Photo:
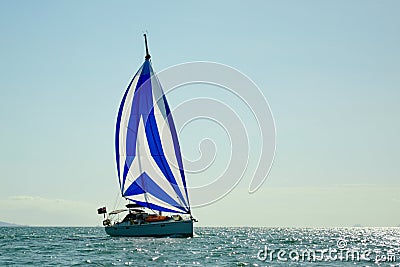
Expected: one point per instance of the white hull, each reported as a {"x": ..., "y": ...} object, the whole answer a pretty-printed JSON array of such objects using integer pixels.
[{"x": 172, "y": 228}]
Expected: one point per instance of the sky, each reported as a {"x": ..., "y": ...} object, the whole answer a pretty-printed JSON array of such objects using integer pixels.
[{"x": 329, "y": 70}]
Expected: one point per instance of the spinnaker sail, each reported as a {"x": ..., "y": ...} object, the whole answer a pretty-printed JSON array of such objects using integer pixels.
[{"x": 148, "y": 156}]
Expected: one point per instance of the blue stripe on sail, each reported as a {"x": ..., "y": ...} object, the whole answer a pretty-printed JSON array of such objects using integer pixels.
[
  {"x": 151, "y": 188},
  {"x": 153, "y": 138},
  {"x": 134, "y": 189},
  {"x": 143, "y": 90},
  {"x": 138, "y": 107},
  {"x": 155, "y": 207},
  {"x": 117, "y": 129},
  {"x": 130, "y": 145}
]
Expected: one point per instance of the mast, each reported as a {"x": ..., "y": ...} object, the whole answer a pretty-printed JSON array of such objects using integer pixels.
[{"x": 147, "y": 57}]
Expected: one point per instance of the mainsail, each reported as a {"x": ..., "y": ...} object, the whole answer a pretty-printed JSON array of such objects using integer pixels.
[{"x": 149, "y": 161}]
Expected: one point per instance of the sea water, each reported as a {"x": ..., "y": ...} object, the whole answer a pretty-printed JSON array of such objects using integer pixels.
[{"x": 86, "y": 246}]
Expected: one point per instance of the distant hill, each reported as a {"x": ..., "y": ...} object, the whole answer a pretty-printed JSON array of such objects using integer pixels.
[{"x": 4, "y": 224}]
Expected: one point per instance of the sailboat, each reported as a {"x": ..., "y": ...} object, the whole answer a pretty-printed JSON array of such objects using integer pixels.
[{"x": 149, "y": 164}]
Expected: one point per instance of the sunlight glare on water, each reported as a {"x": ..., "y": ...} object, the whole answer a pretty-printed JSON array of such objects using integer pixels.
[{"x": 85, "y": 246}]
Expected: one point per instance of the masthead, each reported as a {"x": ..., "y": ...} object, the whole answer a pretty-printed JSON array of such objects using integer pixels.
[{"x": 147, "y": 57}]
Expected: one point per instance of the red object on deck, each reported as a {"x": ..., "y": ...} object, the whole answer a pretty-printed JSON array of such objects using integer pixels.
[{"x": 156, "y": 218}]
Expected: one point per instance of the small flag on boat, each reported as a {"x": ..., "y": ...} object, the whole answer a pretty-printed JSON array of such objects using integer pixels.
[{"x": 101, "y": 210}]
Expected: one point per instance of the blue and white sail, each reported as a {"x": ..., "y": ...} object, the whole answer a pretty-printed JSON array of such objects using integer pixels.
[{"x": 149, "y": 161}]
